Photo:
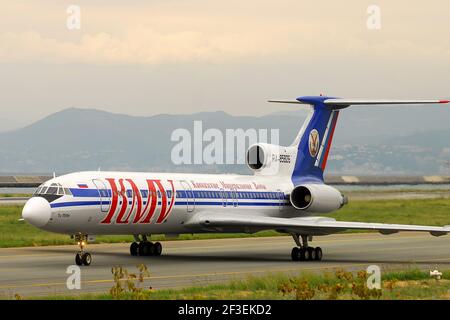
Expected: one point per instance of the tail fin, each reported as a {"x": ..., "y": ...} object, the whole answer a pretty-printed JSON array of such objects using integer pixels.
[{"x": 314, "y": 140}]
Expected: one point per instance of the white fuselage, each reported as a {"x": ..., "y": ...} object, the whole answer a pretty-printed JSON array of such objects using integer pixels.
[{"x": 158, "y": 203}]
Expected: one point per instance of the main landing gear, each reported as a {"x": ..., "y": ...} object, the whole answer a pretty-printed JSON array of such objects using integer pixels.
[
  {"x": 144, "y": 247},
  {"x": 303, "y": 252},
  {"x": 82, "y": 257}
]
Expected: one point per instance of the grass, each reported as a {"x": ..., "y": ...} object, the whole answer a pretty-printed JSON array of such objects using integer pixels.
[
  {"x": 408, "y": 284},
  {"x": 418, "y": 211},
  {"x": 409, "y": 211}
]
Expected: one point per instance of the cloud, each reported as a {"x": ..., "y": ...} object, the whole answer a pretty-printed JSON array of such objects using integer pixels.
[
  {"x": 199, "y": 31},
  {"x": 139, "y": 46}
]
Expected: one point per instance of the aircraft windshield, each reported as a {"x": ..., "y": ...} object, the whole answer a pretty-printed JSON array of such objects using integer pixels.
[{"x": 55, "y": 189}]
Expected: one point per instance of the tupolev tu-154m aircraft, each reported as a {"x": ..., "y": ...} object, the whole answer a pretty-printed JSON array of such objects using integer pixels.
[{"x": 286, "y": 193}]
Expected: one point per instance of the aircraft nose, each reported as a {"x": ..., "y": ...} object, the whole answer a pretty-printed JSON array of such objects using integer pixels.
[{"x": 37, "y": 212}]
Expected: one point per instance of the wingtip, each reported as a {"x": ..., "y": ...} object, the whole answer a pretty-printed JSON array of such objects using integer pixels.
[
  {"x": 284, "y": 101},
  {"x": 444, "y": 101}
]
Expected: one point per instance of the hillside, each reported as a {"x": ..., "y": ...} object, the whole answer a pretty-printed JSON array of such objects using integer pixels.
[{"x": 367, "y": 141}]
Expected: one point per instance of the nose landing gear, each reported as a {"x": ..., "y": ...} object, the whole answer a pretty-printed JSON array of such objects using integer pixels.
[
  {"x": 82, "y": 257},
  {"x": 144, "y": 247}
]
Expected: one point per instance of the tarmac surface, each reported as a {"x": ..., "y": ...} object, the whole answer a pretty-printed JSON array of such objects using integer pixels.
[
  {"x": 38, "y": 271},
  {"x": 12, "y": 201}
]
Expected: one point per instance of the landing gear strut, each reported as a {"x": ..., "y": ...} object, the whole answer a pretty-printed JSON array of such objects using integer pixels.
[
  {"x": 143, "y": 247},
  {"x": 303, "y": 252},
  {"x": 82, "y": 257}
]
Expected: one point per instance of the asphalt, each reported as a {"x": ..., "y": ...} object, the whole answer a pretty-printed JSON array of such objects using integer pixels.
[
  {"x": 8, "y": 201},
  {"x": 37, "y": 271}
]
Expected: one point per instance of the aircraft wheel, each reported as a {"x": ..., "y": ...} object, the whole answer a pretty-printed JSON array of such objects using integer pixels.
[
  {"x": 78, "y": 259},
  {"x": 301, "y": 254},
  {"x": 295, "y": 254},
  {"x": 134, "y": 249},
  {"x": 157, "y": 248},
  {"x": 307, "y": 254},
  {"x": 151, "y": 249},
  {"x": 319, "y": 253},
  {"x": 144, "y": 248},
  {"x": 312, "y": 253},
  {"x": 87, "y": 259}
]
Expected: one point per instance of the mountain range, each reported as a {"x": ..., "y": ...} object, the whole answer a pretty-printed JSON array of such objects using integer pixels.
[{"x": 385, "y": 140}]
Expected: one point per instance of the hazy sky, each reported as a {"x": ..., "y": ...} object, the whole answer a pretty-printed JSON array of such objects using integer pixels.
[{"x": 184, "y": 56}]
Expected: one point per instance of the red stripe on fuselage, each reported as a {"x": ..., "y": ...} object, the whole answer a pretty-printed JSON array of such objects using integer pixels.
[
  {"x": 154, "y": 197},
  {"x": 141, "y": 215},
  {"x": 164, "y": 210},
  {"x": 163, "y": 201},
  {"x": 114, "y": 200},
  {"x": 172, "y": 198},
  {"x": 123, "y": 209},
  {"x": 136, "y": 199}
]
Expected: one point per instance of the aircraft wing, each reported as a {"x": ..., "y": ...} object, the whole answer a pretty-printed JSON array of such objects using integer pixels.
[{"x": 305, "y": 225}]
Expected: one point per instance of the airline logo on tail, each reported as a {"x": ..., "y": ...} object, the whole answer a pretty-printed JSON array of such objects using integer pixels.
[{"x": 314, "y": 143}]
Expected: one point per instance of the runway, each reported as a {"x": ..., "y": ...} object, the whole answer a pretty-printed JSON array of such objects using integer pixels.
[
  {"x": 36, "y": 271},
  {"x": 13, "y": 201}
]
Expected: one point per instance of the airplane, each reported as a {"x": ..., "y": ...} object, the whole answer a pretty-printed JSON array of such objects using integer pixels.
[{"x": 286, "y": 193}]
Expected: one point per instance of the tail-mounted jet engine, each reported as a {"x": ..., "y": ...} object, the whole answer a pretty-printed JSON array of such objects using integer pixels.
[
  {"x": 270, "y": 158},
  {"x": 318, "y": 198}
]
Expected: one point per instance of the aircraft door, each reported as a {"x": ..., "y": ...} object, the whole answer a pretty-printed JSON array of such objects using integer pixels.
[
  {"x": 224, "y": 195},
  {"x": 104, "y": 195},
  {"x": 280, "y": 199},
  {"x": 234, "y": 196},
  {"x": 190, "y": 198}
]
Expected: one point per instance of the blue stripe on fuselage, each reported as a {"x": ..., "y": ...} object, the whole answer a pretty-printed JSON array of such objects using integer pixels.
[
  {"x": 177, "y": 203},
  {"x": 183, "y": 194}
]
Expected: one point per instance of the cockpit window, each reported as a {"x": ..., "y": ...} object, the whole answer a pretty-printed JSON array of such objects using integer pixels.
[{"x": 52, "y": 192}]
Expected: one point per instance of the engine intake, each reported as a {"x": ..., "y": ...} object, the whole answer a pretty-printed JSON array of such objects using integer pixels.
[
  {"x": 318, "y": 198},
  {"x": 256, "y": 157}
]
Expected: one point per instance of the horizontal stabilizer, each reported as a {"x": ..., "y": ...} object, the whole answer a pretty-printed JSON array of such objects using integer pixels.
[
  {"x": 369, "y": 102},
  {"x": 343, "y": 103}
]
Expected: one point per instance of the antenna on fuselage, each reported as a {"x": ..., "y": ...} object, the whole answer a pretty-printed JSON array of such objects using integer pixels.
[{"x": 54, "y": 174}]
